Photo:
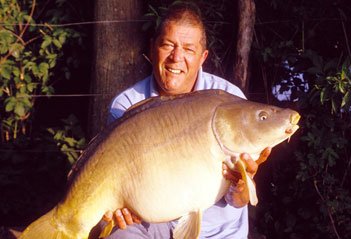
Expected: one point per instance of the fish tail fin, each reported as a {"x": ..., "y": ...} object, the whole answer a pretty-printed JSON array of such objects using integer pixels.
[{"x": 44, "y": 228}]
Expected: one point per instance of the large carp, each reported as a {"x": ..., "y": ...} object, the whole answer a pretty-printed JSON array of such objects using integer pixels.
[{"x": 163, "y": 161}]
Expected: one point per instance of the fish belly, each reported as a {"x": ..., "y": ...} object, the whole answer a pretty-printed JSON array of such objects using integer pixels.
[{"x": 173, "y": 166}]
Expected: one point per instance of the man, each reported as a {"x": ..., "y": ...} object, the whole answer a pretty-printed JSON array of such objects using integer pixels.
[{"x": 178, "y": 51}]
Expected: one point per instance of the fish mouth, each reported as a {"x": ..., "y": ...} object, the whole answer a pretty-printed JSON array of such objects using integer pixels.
[{"x": 294, "y": 119}]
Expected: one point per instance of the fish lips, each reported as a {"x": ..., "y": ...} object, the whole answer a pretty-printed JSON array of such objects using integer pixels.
[{"x": 294, "y": 119}]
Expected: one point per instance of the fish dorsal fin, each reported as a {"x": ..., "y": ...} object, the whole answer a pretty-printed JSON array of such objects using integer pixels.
[
  {"x": 188, "y": 226},
  {"x": 155, "y": 101}
]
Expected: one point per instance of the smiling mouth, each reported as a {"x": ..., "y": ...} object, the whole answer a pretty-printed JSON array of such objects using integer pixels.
[{"x": 174, "y": 71}]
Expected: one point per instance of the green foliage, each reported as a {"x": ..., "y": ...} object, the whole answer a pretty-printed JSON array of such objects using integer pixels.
[
  {"x": 33, "y": 56},
  {"x": 30, "y": 51},
  {"x": 324, "y": 155},
  {"x": 70, "y": 138},
  {"x": 299, "y": 49}
]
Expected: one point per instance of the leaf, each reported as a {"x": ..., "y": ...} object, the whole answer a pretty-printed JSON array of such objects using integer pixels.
[
  {"x": 27, "y": 78},
  {"x": 5, "y": 71},
  {"x": 153, "y": 10},
  {"x": 44, "y": 71},
  {"x": 10, "y": 104},
  {"x": 43, "y": 67},
  {"x": 62, "y": 38},
  {"x": 16, "y": 49},
  {"x": 342, "y": 86},
  {"x": 346, "y": 100},
  {"x": 25, "y": 100},
  {"x": 70, "y": 141},
  {"x": 31, "y": 87},
  {"x": 334, "y": 106},
  {"x": 57, "y": 43},
  {"x": 6, "y": 39},
  {"x": 47, "y": 41},
  {"x": 20, "y": 109},
  {"x": 47, "y": 90},
  {"x": 51, "y": 131}
]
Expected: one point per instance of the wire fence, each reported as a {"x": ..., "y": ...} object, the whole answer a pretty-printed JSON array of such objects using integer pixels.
[
  {"x": 82, "y": 23},
  {"x": 111, "y": 22}
]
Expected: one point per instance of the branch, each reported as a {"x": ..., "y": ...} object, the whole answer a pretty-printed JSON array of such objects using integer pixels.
[
  {"x": 346, "y": 172},
  {"x": 20, "y": 36},
  {"x": 329, "y": 210},
  {"x": 31, "y": 16}
]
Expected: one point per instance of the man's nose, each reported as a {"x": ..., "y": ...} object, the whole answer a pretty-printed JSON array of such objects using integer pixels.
[{"x": 177, "y": 54}]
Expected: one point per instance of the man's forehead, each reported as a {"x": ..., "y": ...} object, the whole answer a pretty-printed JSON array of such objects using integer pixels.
[
  {"x": 182, "y": 24},
  {"x": 190, "y": 33}
]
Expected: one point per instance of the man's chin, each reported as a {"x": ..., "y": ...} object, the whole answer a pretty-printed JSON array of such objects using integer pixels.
[{"x": 173, "y": 91}]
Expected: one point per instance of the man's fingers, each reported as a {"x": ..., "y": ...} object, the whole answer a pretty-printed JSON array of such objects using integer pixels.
[
  {"x": 251, "y": 165},
  {"x": 127, "y": 216},
  {"x": 239, "y": 187},
  {"x": 120, "y": 221},
  {"x": 229, "y": 174},
  {"x": 264, "y": 155},
  {"x": 136, "y": 219},
  {"x": 108, "y": 216}
]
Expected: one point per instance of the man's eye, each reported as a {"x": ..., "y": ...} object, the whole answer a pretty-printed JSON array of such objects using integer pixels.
[
  {"x": 167, "y": 46},
  {"x": 190, "y": 50}
]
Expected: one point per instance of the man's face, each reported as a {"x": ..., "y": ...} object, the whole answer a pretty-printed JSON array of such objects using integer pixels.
[{"x": 177, "y": 55}]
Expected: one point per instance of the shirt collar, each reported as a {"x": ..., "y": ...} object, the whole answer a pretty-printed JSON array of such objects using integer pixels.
[
  {"x": 153, "y": 88},
  {"x": 199, "y": 84}
]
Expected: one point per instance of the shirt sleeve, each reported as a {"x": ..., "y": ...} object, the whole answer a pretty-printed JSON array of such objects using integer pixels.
[
  {"x": 209, "y": 81},
  {"x": 123, "y": 101},
  {"x": 115, "y": 112}
]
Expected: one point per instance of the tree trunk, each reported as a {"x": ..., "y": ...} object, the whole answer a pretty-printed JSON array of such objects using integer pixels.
[
  {"x": 118, "y": 55},
  {"x": 246, "y": 13}
]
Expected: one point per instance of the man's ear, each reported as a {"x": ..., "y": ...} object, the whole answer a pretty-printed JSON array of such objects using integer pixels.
[{"x": 204, "y": 56}]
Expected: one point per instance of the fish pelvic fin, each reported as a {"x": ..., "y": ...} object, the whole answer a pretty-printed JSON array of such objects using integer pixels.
[
  {"x": 188, "y": 226},
  {"x": 107, "y": 229},
  {"x": 46, "y": 227},
  {"x": 249, "y": 182}
]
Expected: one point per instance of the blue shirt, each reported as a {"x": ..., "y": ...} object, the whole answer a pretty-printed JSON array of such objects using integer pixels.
[{"x": 220, "y": 221}]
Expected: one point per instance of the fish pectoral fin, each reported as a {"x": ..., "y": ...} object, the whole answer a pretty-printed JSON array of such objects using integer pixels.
[
  {"x": 249, "y": 182},
  {"x": 106, "y": 231},
  {"x": 252, "y": 191},
  {"x": 188, "y": 226}
]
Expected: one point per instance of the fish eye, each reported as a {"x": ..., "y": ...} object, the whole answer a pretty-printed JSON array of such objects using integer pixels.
[{"x": 263, "y": 115}]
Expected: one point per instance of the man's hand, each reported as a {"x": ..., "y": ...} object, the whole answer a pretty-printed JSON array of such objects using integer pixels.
[
  {"x": 122, "y": 218},
  {"x": 238, "y": 194}
]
